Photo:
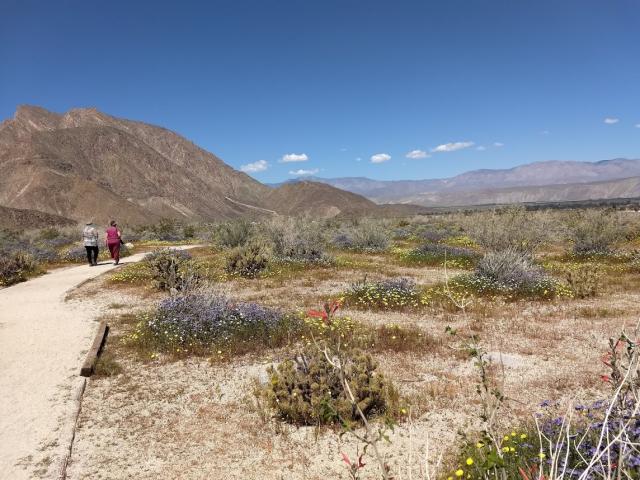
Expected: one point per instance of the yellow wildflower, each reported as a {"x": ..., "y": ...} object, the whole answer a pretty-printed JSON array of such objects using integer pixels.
[
  {"x": 459, "y": 472},
  {"x": 469, "y": 461}
]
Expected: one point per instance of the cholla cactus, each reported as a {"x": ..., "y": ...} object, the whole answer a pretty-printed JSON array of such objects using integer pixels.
[
  {"x": 584, "y": 280},
  {"x": 308, "y": 390},
  {"x": 169, "y": 268},
  {"x": 248, "y": 261}
]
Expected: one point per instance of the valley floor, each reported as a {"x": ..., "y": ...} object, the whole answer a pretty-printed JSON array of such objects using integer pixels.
[{"x": 197, "y": 418}]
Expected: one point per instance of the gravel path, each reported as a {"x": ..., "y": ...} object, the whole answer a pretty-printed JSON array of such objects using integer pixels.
[{"x": 43, "y": 340}]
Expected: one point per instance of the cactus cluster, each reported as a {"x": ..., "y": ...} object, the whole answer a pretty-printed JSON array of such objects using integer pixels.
[
  {"x": 308, "y": 389},
  {"x": 171, "y": 269},
  {"x": 249, "y": 260}
]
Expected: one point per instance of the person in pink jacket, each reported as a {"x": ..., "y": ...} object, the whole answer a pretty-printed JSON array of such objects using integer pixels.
[{"x": 113, "y": 241}]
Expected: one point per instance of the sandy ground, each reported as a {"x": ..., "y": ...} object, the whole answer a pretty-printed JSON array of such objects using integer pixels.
[
  {"x": 193, "y": 419},
  {"x": 43, "y": 339}
]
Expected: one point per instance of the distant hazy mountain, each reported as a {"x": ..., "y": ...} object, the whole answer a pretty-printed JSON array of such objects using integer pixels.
[
  {"x": 623, "y": 188},
  {"x": 477, "y": 186}
]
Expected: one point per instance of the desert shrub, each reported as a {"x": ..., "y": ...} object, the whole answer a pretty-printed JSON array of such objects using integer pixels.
[
  {"x": 392, "y": 294},
  {"x": 48, "y": 233},
  {"x": 308, "y": 390},
  {"x": 511, "y": 228},
  {"x": 295, "y": 240},
  {"x": 510, "y": 268},
  {"x": 437, "y": 254},
  {"x": 171, "y": 269},
  {"x": 510, "y": 273},
  {"x": 15, "y": 268},
  {"x": 205, "y": 324},
  {"x": 189, "y": 231},
  {"x": 595, "y": 232},
  {"x": 234, "y": 234},
  {"x": 583, "y": 280},
  {"x": 366, "y": 236},
  {"x": 249, "y": 260}
]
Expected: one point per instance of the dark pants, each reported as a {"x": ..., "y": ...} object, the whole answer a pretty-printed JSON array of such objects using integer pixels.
[
  {"x": 114, "y": 249},
  {"x": 92, "y": 255}
]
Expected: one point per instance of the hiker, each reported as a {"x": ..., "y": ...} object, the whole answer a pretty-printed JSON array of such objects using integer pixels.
[
  {"x": 90, "y": 239},
  {"x": 114, "y": 239}
]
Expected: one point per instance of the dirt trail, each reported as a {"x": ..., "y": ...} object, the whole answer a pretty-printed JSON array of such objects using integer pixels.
[{"x": 43, "y": 340}]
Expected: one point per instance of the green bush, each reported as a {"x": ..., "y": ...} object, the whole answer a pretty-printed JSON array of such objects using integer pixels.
[
  {"x": 188, "y": 231},
  {"x": 250, "y": 260},
  {"x": 308, "y": 390}
]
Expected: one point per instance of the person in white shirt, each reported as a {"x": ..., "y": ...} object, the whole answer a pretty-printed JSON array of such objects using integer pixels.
[{"x": 90, "y": 239}]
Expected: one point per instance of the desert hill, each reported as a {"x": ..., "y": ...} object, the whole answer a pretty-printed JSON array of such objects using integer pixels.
[
  {"x": 16, "y": 219},
  {"x": 318, "y": 199},
  {"x": 86, "y": 163}
]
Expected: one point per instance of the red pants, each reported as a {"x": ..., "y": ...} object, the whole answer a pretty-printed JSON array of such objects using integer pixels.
[{"x": 114, "y": 249}]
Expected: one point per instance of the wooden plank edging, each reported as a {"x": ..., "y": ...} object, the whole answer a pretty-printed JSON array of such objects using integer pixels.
[
  {"x": 92, "y": 356},
  {"x": 69, "y": 430}
]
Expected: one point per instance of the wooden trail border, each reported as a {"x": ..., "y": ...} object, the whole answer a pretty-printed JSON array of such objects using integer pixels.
[{"x": 92, "y": 356}]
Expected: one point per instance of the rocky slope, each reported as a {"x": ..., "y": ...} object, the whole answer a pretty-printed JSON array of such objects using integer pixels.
[
  {"x": 17, "y": 219},
  {"x": 86, "y": 163}
]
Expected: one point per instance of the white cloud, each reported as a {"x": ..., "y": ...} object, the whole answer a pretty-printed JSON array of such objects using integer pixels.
[
  {"x": 452, "y": 147},
  {"x": 481, "y": 148},
  {"x": 358, "y": 159},
  {"x": 611, "y": 120},
  {"x": 380, "y": 158},
  {"x": 294, "y": 157},
  {"x": 544, "y": 132},
  {"x": 498, "y": 144},
  {"x": 637, "y": 125},
  {"x": 343, "y": 149},
  {"x": 259, "y": 166},
  {"x": 301, "y": 172},
  {"x": 416, "y": 154}
]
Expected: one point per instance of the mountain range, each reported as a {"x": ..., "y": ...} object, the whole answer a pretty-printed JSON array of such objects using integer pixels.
[
  {"x": 85, "y": 164},
  {"x": 555, "y": 181}
]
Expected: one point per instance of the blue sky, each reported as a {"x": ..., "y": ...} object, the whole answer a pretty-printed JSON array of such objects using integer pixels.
[{"x": 345, "y": 84}]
